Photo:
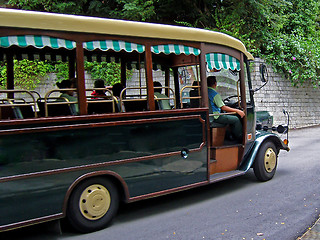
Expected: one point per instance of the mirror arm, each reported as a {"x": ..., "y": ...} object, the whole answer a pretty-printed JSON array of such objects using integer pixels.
[{"x": 257, "y": 89}]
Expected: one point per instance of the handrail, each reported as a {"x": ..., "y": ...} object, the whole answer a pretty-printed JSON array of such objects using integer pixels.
[
  {"x": 56, "y": 103},
  {"x": 219, "y": 114},
  {"x": 131, "y": 99},
  {"x": 14, "y": 99},
  {"x": 188, "y": 86},
  {"x": 32, "y": 103},
  {"x": 38, "y": 94},
  {"x": 46, "y": 112}
]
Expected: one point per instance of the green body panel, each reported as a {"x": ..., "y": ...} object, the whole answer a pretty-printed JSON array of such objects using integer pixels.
[
  {"x": 150, "y": 151},
  {"x": 264, "y": 118},
  {"x": 261, "y": 137}
]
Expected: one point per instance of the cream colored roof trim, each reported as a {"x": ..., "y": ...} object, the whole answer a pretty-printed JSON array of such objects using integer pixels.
[{"x": 72, "y": 23}]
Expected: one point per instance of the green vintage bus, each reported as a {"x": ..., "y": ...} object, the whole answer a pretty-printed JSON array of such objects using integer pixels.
[{"x": 56, "y": 163}]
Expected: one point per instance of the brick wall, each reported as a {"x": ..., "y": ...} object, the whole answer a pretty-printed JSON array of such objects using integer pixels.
[{"x": 302, "y": 104}]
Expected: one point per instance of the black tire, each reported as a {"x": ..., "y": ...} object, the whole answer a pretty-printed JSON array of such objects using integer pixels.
[
  {"x": 92, "y": 205},
  {"x": 266, "y": 161}
]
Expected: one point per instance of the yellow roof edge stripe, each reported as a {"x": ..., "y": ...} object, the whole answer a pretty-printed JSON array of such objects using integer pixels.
[{"x": 73, "y": 23}]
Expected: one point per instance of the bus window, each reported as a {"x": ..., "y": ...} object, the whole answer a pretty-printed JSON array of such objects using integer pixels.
[
  {"x": 133, "y": 96},
  {"x": 125, "y": 56},
  {"x": 189, "y": 79},
  {"x": 228, "y": 86},
  {"x": 227, "y": 71},
  {"x": 179, "y": 69}
]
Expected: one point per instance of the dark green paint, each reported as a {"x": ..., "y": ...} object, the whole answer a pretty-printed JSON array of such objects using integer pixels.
[{"x": 65, "y": 149}]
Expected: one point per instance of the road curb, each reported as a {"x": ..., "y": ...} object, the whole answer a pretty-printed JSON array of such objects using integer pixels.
[{"x": 312, "y": 232}]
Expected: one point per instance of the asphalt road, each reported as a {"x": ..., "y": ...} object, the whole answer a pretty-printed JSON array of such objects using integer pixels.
[{"x": 240, "y": 208}]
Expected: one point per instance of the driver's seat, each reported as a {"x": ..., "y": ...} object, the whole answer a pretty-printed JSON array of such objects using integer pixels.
[{"x": 217, "y": 133}]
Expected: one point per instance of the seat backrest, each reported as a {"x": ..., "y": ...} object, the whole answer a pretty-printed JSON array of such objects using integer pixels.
[
  {"x": 27, "y": 111},
  {"x": 55, "y": 109},
  {"x": 10, "y": 112},
  {"x": 194, "y": 102},
  {"x": 100, "y": 107},
  {"x": 7, "y": 112},
  {"x": 136, "y": 105}
]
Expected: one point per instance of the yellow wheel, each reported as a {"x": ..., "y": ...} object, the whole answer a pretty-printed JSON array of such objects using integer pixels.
[
  {"x": 93, "y": 204},
  {"x": 265, "y": 164},
  {"x": 270, "y": 160}
]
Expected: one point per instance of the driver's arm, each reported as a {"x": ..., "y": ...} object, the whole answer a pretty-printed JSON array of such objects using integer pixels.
[{"x": 230, "y": 109}]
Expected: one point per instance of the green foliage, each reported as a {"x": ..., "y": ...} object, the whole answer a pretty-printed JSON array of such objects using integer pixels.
[
  {"x": 61, "y": 69},
  {"x": 293, "y": 49},
  {"x": 138, "y": 10},
  {"x": 27, "y": 74},
  {"x": 109, "y": 72},
  {"x": 72, "y": 7},
  {"x": 297, "y": 57},
  {"x": 284, "y": 32}
]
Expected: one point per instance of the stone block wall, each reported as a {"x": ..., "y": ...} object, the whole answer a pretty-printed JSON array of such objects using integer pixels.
[{"x": 302, "y": 104}]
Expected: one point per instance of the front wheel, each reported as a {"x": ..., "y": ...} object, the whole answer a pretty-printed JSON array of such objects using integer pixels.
[
  {"x": 265, "y": 164},
  {"x": 93, "y": 204}
]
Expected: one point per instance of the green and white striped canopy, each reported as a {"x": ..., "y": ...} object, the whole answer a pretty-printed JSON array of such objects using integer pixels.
[
  {"x": 36, "y": 41},
  {"x": 222, "y": 61},
  {"x": 115, "y": 45},
  {"x": 176, "y": 49}
]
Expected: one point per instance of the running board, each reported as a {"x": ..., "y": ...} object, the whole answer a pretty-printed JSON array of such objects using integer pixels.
[{"x": 217, "y": 177}]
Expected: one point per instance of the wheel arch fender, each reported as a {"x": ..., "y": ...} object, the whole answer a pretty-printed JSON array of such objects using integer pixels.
[
  {"x": 114, "y": 177},
  {"x": 250, "y": 156}
]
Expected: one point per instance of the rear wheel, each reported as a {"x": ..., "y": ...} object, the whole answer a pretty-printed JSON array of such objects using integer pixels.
[
  {"x": 93, "y": 204},
  {"x": 266, "y": 161}
]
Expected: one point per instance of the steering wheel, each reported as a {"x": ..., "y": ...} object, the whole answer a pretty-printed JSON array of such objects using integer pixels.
[{"x": 233, "y": 104}]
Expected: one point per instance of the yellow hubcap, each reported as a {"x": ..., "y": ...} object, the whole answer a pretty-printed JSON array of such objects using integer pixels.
[
  {"x": 270, "y": 160},
  {"x": 94, "y": 202}
]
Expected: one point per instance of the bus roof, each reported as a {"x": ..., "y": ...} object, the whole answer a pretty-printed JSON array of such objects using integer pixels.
[{"x": 73, "y": 23}]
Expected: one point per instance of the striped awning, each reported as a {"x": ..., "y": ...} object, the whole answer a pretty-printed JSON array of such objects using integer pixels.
[
  {"x": 115, "y": 45},
  {"x": 36, "y": 41},
  {"x": 222, "y": 61},
  {"x": 176, "y": 49}
]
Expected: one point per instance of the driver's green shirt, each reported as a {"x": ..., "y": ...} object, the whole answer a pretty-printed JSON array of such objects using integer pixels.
[{"x": 215, "y": 101}]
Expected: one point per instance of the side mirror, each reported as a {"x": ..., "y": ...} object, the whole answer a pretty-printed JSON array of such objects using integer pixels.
[
  {"x": 263, "y": 73},
  {"x": 263, "y": 76}
]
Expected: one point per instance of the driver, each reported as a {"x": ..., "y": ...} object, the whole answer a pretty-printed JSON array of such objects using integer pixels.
[{"x": 216, "y": 105}]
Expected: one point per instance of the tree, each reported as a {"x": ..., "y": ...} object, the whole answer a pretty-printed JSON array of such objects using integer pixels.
[{"x": 284, "y": 32}]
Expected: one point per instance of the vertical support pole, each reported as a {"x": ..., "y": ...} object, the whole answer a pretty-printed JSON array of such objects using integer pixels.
[
  {"x": 167, "y": 80},
  {"x": 203, "y": 77},
  {"x": 81, "y": 81},
  {"x": 243, "y": 98},
  {"x": 123, "y": 72},
  {"x": 176, "y": 86},
  {"x": 148, "y": 66},
  {"x": 10, "y": 74}
]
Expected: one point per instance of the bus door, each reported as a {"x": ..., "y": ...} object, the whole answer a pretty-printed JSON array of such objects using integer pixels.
[{"x": 226, "y": 150}]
